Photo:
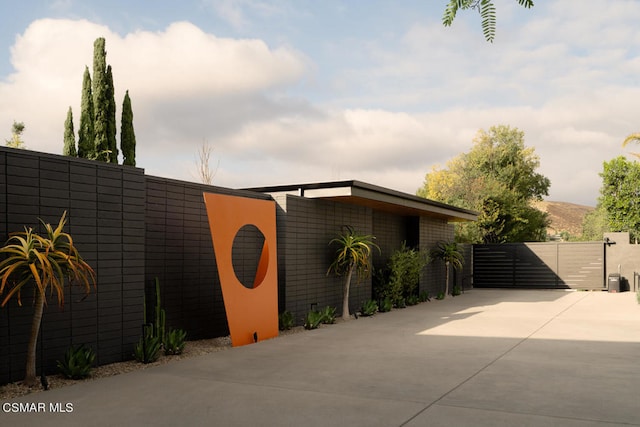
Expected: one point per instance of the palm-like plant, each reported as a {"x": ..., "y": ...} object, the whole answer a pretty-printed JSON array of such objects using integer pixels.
[
  {"x": 634, "y": 138},
  {"x": 45, "y": 262},
  {"x": 352, "y": 255},
  {"x": 452, "y": 257}
]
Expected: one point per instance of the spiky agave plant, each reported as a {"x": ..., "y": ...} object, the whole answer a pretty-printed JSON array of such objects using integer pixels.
[{"x": 44, "y": 262}]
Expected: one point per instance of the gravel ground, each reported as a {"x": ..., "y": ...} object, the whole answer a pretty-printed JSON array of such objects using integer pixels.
[{"x": 192, "y": 349}]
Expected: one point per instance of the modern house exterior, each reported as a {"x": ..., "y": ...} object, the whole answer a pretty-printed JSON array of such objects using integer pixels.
[
  {"x": 133, "y": 228},
  {"x": 311, "y": 214}
]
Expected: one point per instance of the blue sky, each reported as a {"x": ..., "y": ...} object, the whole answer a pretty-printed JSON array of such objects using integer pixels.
[{"x": 292, "y": 91}]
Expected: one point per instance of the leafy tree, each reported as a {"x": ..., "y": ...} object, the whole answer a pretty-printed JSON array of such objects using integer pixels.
[
  {"x": 69, "y": 148},
  {"x": 620, "y": 195},
  {"x": 451, "y": 255},
  {"x": 111, "y": 116},
  {"x": 127, "y": 134},
  {"x": 485, "y": 8},
  {"x": 44, "y": 262},
  {"x": 16, "y": 136},
  {"x": 86, "y": 147},
  {"x": 498, "y": 179},
  {"x": 101, "y": 101},
  {"x": 353, "y": 254},
  {"x": 595, "y": 224}
]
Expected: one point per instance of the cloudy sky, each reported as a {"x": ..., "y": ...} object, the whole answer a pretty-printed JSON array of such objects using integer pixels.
[{"x": 294, "y": 91}]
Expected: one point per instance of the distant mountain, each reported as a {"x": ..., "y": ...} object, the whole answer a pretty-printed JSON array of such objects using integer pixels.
[{"x": 564, "y": 217}]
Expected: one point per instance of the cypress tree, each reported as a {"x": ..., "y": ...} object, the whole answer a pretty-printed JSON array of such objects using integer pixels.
[
  {"x": 86, "y": 148},
  {"x": 111, "y": 116},
  {"x": 100, "y": 101},
  {"x": 127, "y": 134},
  {"x": 69, "y": 148}
]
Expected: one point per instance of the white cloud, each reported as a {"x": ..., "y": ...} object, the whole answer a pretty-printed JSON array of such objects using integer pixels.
[
  {"x": 404, "y": 108},
  {"x": 237, "y": 13},
  {"x": 174, "y": 77},
  {"x": 231, "y": 12}
]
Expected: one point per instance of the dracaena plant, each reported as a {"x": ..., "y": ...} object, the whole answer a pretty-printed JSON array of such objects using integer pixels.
[
  {"x": 44, "y": 262},
  {"x": 452, "y": 256},
  {"x": 353, "y": 255}
]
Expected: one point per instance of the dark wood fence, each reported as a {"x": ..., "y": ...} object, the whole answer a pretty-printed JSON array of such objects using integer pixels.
[
  {"x": 105, "y": 205},
  {"x": 579, "y": 265},
  {"x": 131, "y": 228}
]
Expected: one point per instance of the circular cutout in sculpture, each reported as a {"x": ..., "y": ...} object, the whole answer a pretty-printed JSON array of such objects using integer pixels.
[{"x": 250, "y": 256}]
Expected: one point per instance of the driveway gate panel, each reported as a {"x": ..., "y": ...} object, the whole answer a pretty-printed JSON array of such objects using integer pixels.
[{"x": 539, "y": 265}]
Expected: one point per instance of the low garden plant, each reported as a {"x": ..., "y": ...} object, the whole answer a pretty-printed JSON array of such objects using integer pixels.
[
  {"x": 155, "y": 337},
  {"x": 369, "y": 308},
  {"x": 385, "y": 305},
  {"x": 424, "y": 296},
  {"x": 147, "y": 350},
  {"x": 285, "y": 320},
  {"x": 313, "y": 319},
  {"x": 413, "y": 300},
  {"x": 77, "y": 362},
  {"x": 329, "y": 315},
  {"x": 174, "y": 342}
]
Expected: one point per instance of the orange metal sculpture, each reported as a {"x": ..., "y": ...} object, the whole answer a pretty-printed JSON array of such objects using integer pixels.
[{"x": 252, "y": 314}]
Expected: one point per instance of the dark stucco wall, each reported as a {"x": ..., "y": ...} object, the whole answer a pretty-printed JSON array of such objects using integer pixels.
[
  {"x": 133, "y": 228},
  {"x": 105, "y": 205}
]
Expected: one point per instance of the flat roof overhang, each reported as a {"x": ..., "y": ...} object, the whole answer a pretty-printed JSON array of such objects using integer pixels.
[{"x": 375, "y": 197}]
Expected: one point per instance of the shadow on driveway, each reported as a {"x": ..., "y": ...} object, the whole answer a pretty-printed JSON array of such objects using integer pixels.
[{"x": 487, "y": 357}]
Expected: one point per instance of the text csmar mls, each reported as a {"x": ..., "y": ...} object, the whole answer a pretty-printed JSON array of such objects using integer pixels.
[{"x": 31, "y": 407}]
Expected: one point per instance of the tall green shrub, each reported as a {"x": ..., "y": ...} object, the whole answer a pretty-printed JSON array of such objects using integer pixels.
[
  {"x": 86, "y": 149},
  {"x": 111, "y": 118},
  {"x": 406, "y": 266},
  {"x": 402, "y": 274},
  {"x": 69, "y": 148},
  {"x": 100, "y": 101},
  {"x": 127, "y": 133}
]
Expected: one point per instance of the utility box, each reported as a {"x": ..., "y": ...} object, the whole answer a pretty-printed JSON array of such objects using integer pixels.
[{"x": 613, "y": 284}]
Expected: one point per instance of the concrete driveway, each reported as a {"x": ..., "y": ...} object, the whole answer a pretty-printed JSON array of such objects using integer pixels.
[{"x": 485, "y": 358}]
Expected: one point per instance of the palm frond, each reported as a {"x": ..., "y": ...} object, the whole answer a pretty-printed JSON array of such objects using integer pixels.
[
  {"x": 449, "y": 253},
  {"x": 44, "y": 261},
  {"x": 353, "y": 249},
  {"x": 633, "y": 138}
]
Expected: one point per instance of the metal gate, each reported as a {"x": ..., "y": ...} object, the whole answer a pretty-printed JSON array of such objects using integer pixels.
[{"x": 578, "y": 265}]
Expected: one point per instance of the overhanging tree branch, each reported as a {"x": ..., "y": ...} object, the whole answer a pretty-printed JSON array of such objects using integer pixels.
[{"x": 485, "y": 8}]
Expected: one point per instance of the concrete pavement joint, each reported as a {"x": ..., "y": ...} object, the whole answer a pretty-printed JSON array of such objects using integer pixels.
[
  {"x": 533, "y": 414},
  {"x": 492, "y": 362}
]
